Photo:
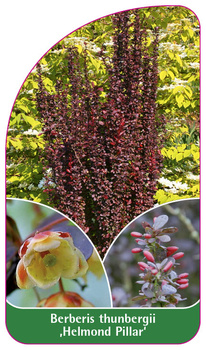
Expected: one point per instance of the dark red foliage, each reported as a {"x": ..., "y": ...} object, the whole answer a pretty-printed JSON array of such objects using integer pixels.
[{"x": 105, "y": 156}]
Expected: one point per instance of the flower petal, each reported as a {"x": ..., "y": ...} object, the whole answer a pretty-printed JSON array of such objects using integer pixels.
[
  {"x": 68, "y": 259},
  {"x": 47, "y": 244},
  {"x": 48, "y": 256},
  {"x": 23, "y": 248},
  {"x": 22, "y": 278},
  {"x": 83, "y": 265},
  {"x": 43, "y": 276}
]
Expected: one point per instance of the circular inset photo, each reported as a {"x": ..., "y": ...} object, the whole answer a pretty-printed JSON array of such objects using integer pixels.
[
  {"x": 154, "y": 262},
  {"x": 50, "y": 261}
]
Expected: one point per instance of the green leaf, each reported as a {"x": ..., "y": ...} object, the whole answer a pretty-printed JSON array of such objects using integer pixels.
[
  {"x": 33, "y": 145},
  {"x": 170, "y": 54},
  {"x": 188, "y": 91},
  {"x": 14, "y": 179},
  {"x": 179, "y": 99},
  {"x": 96, "y": 63},
  {"x": 163, "y": 75},
  {"x": 191, "y": 32},
  {"x": 186, "y": 104},
  {"x": 195, "y": 189},
  {"x": 178, "y": 59},
  {"x": 162, "y": 102},
  {"x": 35, "y": 85},
  {"x": 179, "y": 156},
  {"x": 177, "y": 89},
  {"x": 161, "y": 196},
  {"x": 192, "y": 78},
  {"x": 164, "y": 151},
  {"x": 181, "y": 148},
  {"x": 187, "y": 153},
  {"x": 171, "y": 74},
  {"x": 171, "y": 153},
  {"x": 16, "y": 143},
  {"x": 23, "y": 108},
  {"x": 184, "y": 37},
  {"x": 148, "y": 41},
  {"x": 31, "y": 121},
  {"x": 79, "y": 48},
  {"x": 196, "y": 156}
]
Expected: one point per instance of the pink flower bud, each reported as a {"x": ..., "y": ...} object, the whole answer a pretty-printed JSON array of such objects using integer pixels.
[
  {"x": 182, "y": 281},
  {"x": 136, "y": 250},
  {"x": 147, "y": 235},
  {"x": 171, "y": 250},
  {"x": 164, "y": 282},
  {"x": 148, "y": 255},
  {"x": 143, "y": 265},
  {"x": 183, "y": 275},
  {"x": 136, "y": 234},
  {"x": 183, "y": 286},
  {"x": 168, "y": 266},
  {"x": 178, "y": 255},
  {"x": 154, "y": 271}
]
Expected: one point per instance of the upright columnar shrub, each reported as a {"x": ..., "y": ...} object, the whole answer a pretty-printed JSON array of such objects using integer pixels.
[{"x": 103, "y": 155}]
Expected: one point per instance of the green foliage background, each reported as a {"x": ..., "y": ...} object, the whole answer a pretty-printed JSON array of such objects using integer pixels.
[{"x": 177, "y": 99}]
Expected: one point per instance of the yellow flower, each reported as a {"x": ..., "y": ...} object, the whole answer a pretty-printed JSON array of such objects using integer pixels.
[
  {"x": 64, "y": 299},
  {"x": 47, "y": 257}
]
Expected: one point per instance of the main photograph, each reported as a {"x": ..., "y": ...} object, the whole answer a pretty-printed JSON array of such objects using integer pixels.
[{"x": 106, "y": 125}]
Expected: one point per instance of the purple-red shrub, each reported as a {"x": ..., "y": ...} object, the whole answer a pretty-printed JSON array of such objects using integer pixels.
[{"x": 104, "y": 156}]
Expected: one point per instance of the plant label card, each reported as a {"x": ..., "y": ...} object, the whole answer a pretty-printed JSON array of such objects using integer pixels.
[{"x": 102, "y": 185}]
